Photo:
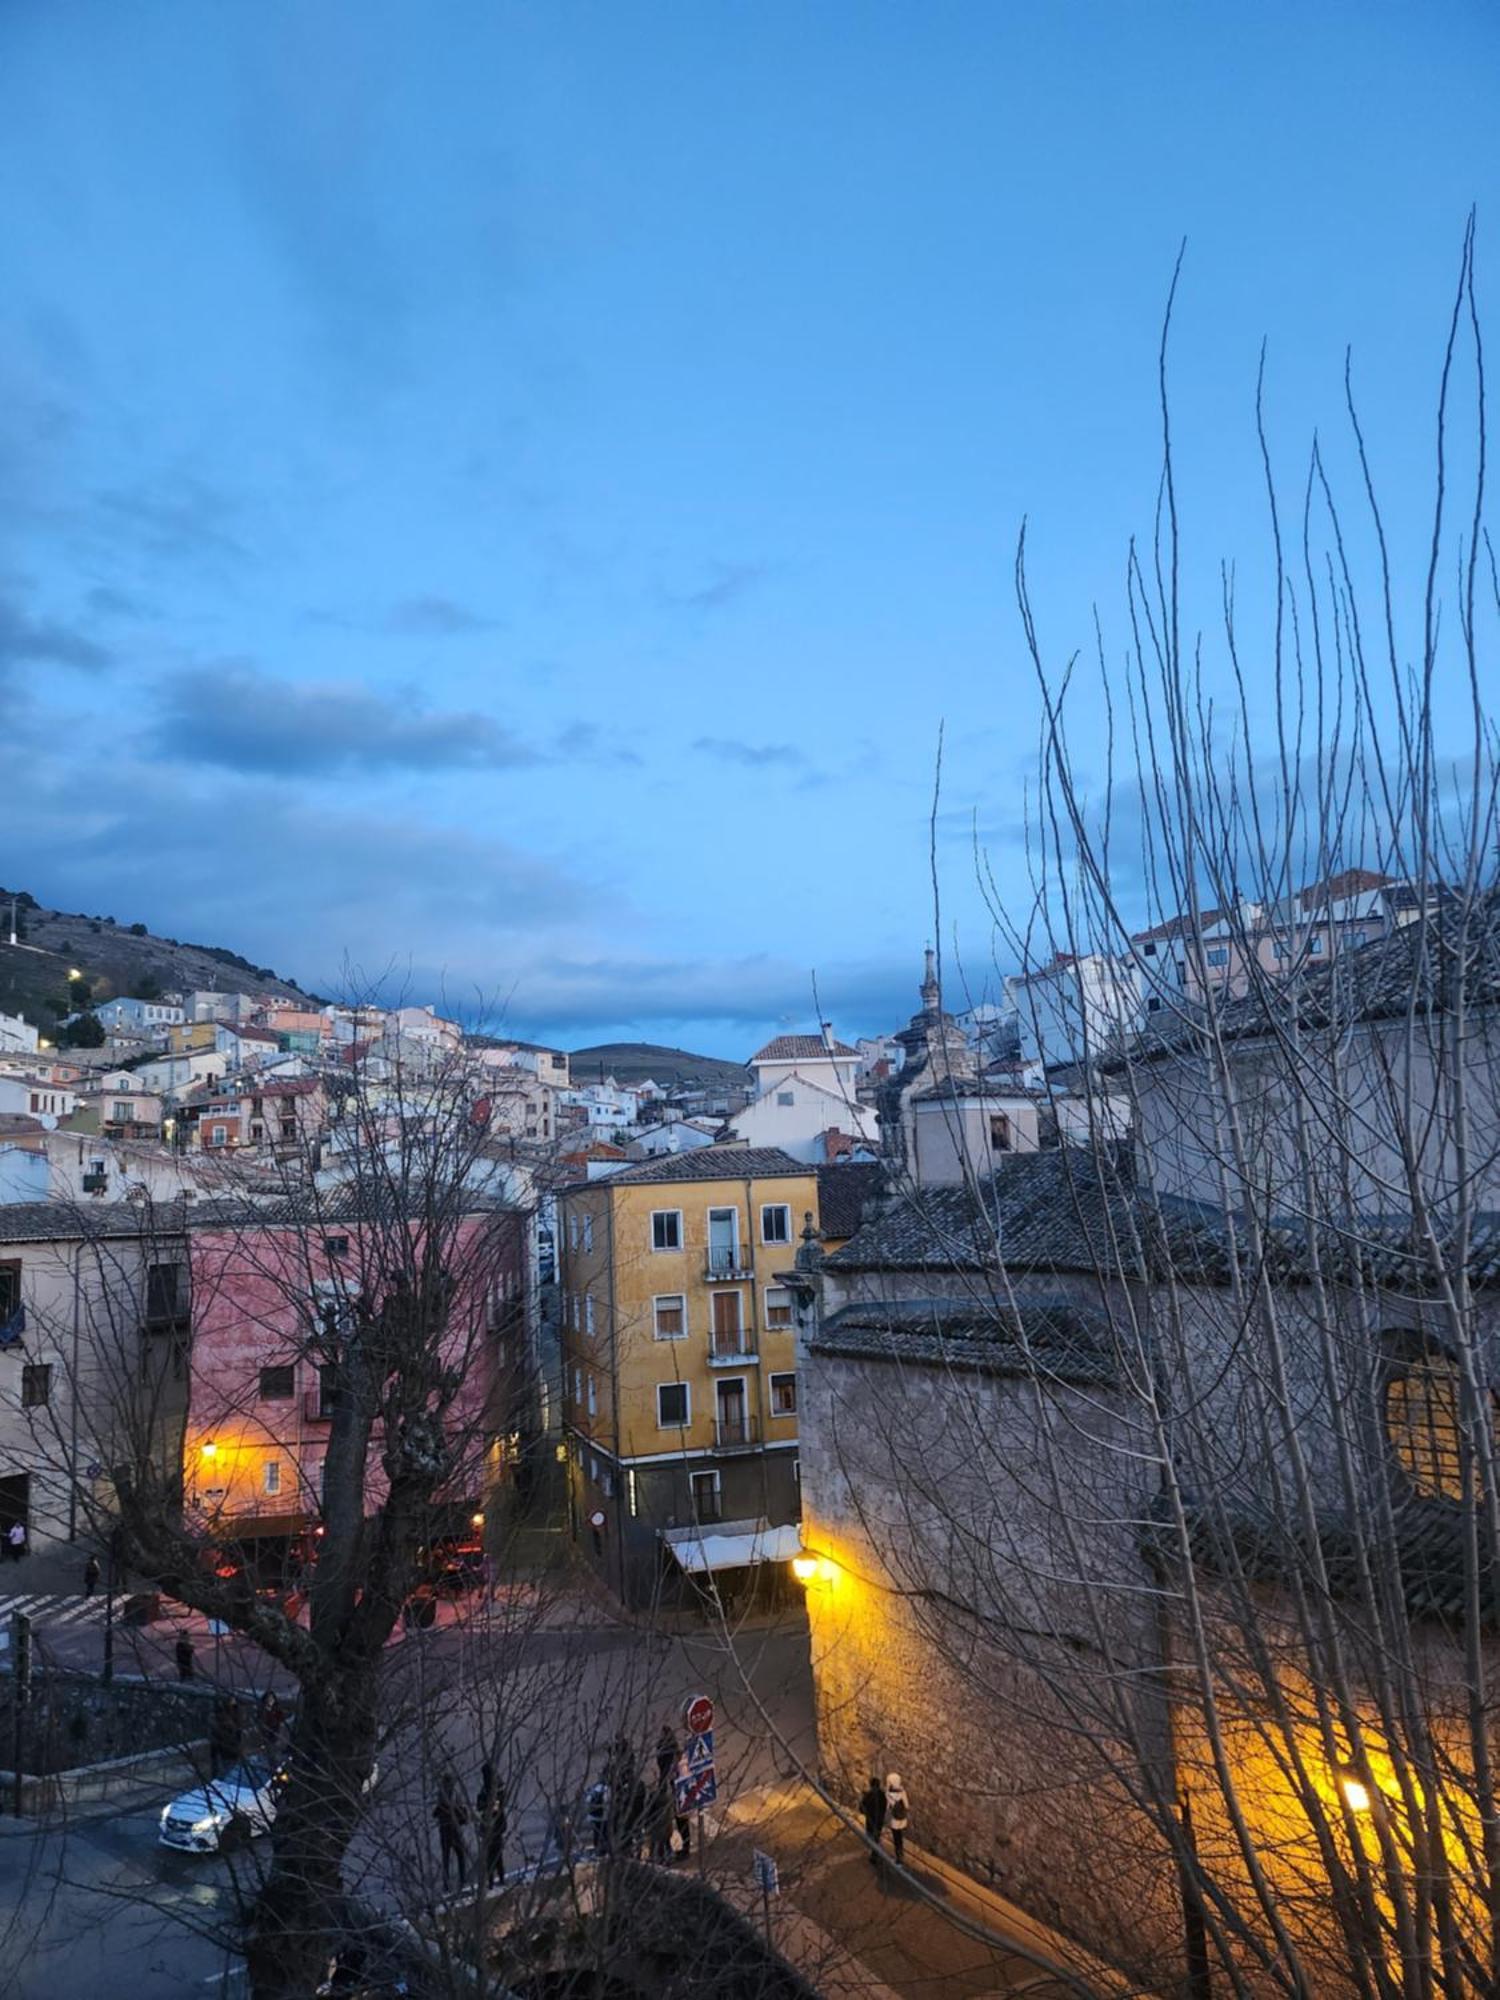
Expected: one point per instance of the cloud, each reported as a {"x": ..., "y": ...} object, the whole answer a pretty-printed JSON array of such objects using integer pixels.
[
  {"x": 27, "y": 641},
  {"x": 434, "y": 618},
  {"x": 235, "y": 716},
  {"x": 721, "y": 585},
  {"x": 107, "y": 602},
  {"x": 586, "y": 743},
  {"x": 179, "y": 519},
  {"x": 731, "y": 750}
]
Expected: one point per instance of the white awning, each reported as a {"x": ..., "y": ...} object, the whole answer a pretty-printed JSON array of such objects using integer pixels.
[{"x": 698, "y": 1552}]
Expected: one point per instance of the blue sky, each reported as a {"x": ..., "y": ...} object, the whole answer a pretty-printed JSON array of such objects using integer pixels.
[{"x": 499, "y": 499}]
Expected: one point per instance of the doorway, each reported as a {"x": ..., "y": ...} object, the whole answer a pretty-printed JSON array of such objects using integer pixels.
[
  {"x": 15, "y": 1501},
  {"x": 728, "y": 1336},
  {"x": 723, "y": 1239},
  {"x": 733, "y": 1425}
]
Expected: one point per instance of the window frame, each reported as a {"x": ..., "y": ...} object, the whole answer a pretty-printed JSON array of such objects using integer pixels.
[
  {"x": 36, "y": 1375},
  {"x": 660, "y": 1299},
  {"x": 1412, "y": 1355},
  {"x": 286, "y": 1369},
  {"x": 784, "y": 1209},
  {"x": 709, "y": 1474},
  {"x": 683, "y": 1389},
  {"x": 778, "y": 1378},
  {"x": 667, "y": 1249},
  {"x": 270, "y": 1478},
  {"x": 787, "y": 1325}
]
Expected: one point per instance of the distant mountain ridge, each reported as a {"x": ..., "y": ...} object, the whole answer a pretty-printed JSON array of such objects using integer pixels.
[
  {"x": 633, "y": 1062},
  {"x": 115, "y": 958}
]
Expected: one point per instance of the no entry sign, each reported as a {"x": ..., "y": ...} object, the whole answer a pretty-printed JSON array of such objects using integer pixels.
[{"x": 699, "y": 1714}]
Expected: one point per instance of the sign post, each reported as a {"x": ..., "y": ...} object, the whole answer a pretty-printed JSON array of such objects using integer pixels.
[
  {"x": 697, "y": 1784},
  {"x": 770, "y": 1884},
  {"x": 20, "y": 1639}
]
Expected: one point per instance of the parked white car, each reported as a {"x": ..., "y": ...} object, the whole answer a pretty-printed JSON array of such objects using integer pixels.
[{"x": 242, "y": 1799}]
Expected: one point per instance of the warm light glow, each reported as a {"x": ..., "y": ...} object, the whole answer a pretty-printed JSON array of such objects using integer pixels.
[
  {"x": 74, "y": 973},
  {"x": 210, "y": 1449},
  {"x": 1356, "y": 1794},
  {"x": 805, "y": 1568},
  {"x": 42, "y": 1042},
  {"x": 476, "y": 1520}
]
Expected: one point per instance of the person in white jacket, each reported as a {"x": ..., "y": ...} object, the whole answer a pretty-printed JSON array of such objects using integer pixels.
[{"x": 897, "y": 1812}]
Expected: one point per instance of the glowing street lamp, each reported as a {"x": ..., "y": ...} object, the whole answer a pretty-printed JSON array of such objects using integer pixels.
[
  {"x": 806, "y": 1568},
  {"x": 1356, "y": 1792}
]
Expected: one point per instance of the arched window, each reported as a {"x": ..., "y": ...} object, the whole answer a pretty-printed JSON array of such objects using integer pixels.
[{"x": 1424, "y": 1423}]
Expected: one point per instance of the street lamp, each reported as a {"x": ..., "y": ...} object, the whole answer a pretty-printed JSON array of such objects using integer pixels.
[{"x": 1356, "y": 1792}]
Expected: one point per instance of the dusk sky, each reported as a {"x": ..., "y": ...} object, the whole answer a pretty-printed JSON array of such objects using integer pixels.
[{"x": 503, "y": 497}]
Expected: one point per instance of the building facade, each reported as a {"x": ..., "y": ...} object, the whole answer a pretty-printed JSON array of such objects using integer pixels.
[{"x": 679, "y": 1369}]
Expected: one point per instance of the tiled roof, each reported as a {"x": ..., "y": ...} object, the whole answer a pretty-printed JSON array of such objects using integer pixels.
[
  {"x": 842, "y": 1194},
  {"x": 800, "y": 1048},
  {"x": 713, "y": 1163},
  {"x": 1052, "y": 1338},
  {"x": 69, "y": 1222}
]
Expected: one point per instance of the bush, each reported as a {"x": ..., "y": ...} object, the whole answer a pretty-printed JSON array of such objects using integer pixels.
[{"x": 139, "y": 930}]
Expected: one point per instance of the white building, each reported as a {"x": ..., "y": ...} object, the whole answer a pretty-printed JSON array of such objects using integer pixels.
[
  {"x": 34, "y": 1097},
  {"x": 17, "y": 1034},
  {"x": 805, "y": 1086},
  {"x": 138, "y": 1017},
  {"x": 1075, "y": 1009}
]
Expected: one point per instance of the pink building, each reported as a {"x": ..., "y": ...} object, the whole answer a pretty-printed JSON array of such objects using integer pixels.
[{"x": 266, "y": 1297}]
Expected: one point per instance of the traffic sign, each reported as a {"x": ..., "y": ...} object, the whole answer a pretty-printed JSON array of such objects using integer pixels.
[
  {"x": 699, "y": 1751},
  {"x": 696, "y": 1790},
  {"x": 700, "y": 1714},
  {"x": 766, "y": 1878}
]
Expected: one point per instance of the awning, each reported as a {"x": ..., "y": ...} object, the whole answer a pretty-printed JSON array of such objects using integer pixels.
[{"x": 732, "y": 1547}]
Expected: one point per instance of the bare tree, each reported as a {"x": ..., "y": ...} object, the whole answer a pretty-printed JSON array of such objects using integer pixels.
[{"x": 1198, "y": 1507}]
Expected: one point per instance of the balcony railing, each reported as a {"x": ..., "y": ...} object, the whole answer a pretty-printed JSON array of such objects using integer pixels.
[
  {"x": 723, "y": 1261},
  {"x": 736, "y": 1433},
  {"x": 726, "y": 1348}
]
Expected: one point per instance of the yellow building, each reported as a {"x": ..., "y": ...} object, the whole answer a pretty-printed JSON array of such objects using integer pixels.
[{"x": 679, "y": 1361}]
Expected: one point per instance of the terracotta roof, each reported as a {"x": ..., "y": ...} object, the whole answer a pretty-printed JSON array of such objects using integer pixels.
[
  {"x": 800, "y": 1048},
  {"x": 714, "y": 1163}
]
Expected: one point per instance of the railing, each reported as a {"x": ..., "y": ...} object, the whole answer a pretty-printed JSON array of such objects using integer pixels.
[
  {"x": 726, "y": 1260},
  {"x": 736, "y": 1433},
  {"x": 726, "y": 1347}
]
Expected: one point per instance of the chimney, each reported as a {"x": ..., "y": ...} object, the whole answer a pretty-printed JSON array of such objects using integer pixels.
[{"x": 827, "y": 1034}]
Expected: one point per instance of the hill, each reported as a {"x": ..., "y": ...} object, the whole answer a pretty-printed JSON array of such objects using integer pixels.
[
  {"x": 114, "y": 958},
  {"x": 633, "y": 1062}
]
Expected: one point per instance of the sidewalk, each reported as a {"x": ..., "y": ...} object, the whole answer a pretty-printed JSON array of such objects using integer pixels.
[{"x": 940, "y": 1931}]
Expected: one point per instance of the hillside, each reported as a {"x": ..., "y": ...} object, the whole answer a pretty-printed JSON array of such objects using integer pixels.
[
  {"x": 115, "y": 958},
  {"x": 633, "y": 1062}
]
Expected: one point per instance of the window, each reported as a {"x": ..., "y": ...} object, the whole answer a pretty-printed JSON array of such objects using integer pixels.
[
  {"x": 588, "y": 1313},
  {"x": 123, "y": 1111},
  {"x": 593, "y": 1389},
  {"x": 36, "y": 1385},
  {"x": 1219, "y": 955},
  {"x": 776, "y": 1223},
  {"x": 999, "y": 1132},
  {"x": 783, "y": 1395},
  {"x": 588, "y": 1232},
  {"x": 217, "y": 1135},
  {"x": 666, "y": 1229},
  {"x": 1315, "y": 943},
  {"x": 328, "y": 1389},
  {"x": 778, "y": 1309},
  {"x": 1425, "y": 1425},
  {"x": 277, "y": 1385},
  {"x": 577, "y": 1385},
  {"x": 271, "y": 1475},
  {"x": 572, "y": 1232},
  {"x": 786, "y": 1097},
  {"x": 632, "y": 1498},
  {"x": 670, "y": 1315},
  {"x": 166, "y": 1291},
  {"x": 672, "y": 1405},
  {"x": 10, "y": 1289},
  {"x": 705, "y": 1486},
  {"x": 1153, "y": 1005},
  {"x": 335, "y": 1246}
]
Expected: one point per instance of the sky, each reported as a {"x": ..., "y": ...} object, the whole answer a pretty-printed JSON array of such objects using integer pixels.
[{"x": 498, "y": 501}]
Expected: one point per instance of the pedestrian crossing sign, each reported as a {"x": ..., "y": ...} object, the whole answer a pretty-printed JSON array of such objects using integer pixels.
[{"x": 696, "y": 1789}]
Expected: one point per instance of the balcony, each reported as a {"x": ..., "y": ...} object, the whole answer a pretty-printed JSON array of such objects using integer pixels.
[
  {"x": 726, "y": 1353},
  {"x": 725, "y": 1262},
  {"x": 736, "y": 1433}
]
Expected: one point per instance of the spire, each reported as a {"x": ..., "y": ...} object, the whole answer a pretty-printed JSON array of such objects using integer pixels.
[{"x": 931, "y": 992}]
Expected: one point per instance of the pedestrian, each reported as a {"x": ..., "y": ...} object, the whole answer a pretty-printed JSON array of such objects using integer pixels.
[
  {"x": 897, "y": 1811},
  {"x": 15, "y": 1534},
  {"x": 91, "y": 1576},
  {"x": 452, "y": 1816},
  {"x": 226, "y": 1734},
  {"x": 872, "y": 1803},
  {"x": 490, "y": 1802},
  {"x": 183, "y": 1653},
  {"x": 659, "y": 1821},
  {"x": 667, "y": 1752},
  {"x": 272, "y": 1720},
  {"x": 598, "y": 1816}
]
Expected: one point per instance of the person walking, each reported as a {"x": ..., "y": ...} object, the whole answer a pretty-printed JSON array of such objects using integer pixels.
[
  {"x": 91, "y": 1576},
  {"x": 872, "y": 1804},
  {"x": 452, "y": 1816},
  {"x": 897, "y": 1813},
  {"x": 598, "y": 1815},
  {"x": 272, "y": 1721},
  {"x": 182, "y": 1652},
  {"x": 490, "y": 1804},
  {"x": 15, "y": 1535}
]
